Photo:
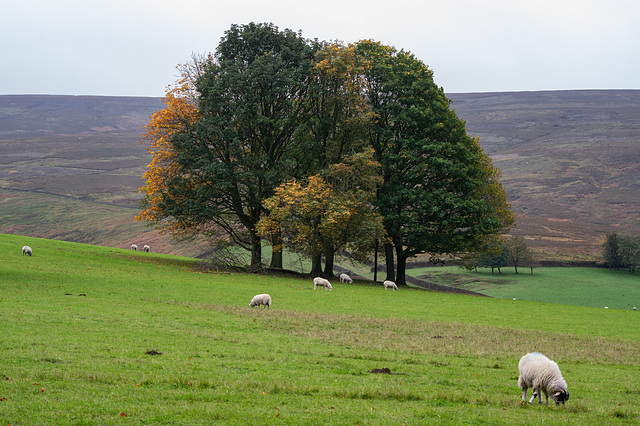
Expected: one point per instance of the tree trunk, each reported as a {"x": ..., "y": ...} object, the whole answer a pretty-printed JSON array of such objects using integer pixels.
[
  {"x": 388, "y": 250},
  {"x": 328, "y": 265},
  {"x": 316, "y": 266},
  {"x": 276, "y": 255},
  {"x": 375, "y": 264},
  {"x": 401, "y": 255},
  {"x": 256, "y": 252},
  {"x": 515, "y": 265}
]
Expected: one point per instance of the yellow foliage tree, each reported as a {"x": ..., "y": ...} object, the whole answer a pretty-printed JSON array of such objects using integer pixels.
[{"x": 323, "y": 215}]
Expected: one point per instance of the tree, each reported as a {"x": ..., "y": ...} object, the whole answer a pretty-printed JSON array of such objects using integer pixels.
[
  {"x": 629, "y": 249},
  {"x": 250, "y": 105},
  {"x": 323, "y": 215},
  {"x": 519, "y": 253},
  {"x": 495, "y": 260},
  {"x": 611, "y": 251},
  {"x": 178, "y": 115},
  {"x": 440, "y": 193}
]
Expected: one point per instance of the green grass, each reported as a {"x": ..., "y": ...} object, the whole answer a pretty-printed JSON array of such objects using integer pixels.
[
  {"x": 594, "y": 287},
  {"x": 77, "y": 322}
]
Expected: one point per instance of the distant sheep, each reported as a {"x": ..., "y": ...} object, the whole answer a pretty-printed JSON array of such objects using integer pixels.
[
  {"x": 543, "y": 375},
  {"x": 344, "y": 278},
  {"x": 389, "y": 284},
  {"x": 27, "y": 250},
  {"x": 261, "y": 299},
  {"x": 321, "y": 282},
  {"x": 134, "y": 247},
  {"x": 146, "y": 248}
]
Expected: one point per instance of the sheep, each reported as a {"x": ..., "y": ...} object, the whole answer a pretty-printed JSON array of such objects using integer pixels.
[
  {"x": 134, "y": 247},
  {"x": 344, "y": 278},
  {"x": 27, "y": 250},
  {"x": 389, "y": 284},
  {"x": 321, "y": 282},
  {"x": 261, "y": 299},
  {"x": 146, "y": 248},
  {"x": 543, "y": 375}
]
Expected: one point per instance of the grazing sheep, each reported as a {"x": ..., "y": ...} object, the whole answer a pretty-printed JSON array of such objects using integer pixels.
[
  {"x": 321, "y": 282},
  {"x": 146, "y": 248},
  {"x": 134, "y": 247},
  {"x": 261, "y": 299},
  {"x": 389, "y": 284},
  {"x": 344, "y": 278},
  {"x": 543, "y": 375},
  {"x": 27, "y": 250}
]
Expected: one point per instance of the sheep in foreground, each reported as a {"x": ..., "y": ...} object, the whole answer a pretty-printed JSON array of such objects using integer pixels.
[
  {"x": 134, "y": 247},
  {"x": 261, "y": 299},
  {"x": 27, "y": 250},
  {"x": 321, "y": 282},
  {"x": 344, "y": 278},
  {"x": 543, "y": 375},
  {"x": 389, "y": 284},
  {"x": 146, "y": 248}
]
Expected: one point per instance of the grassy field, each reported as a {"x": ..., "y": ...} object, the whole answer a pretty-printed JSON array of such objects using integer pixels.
[
  {"x": 594, "y": 287},
  {"x": 98, "y": 335}
]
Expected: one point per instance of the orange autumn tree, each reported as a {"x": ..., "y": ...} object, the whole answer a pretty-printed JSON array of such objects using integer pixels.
[{"x": 179, "y": 113}]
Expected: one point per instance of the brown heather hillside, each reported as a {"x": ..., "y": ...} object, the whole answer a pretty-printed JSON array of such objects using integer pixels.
[
  {"x": 70, "y": 166},
  {"x": 570, "y": 161}
]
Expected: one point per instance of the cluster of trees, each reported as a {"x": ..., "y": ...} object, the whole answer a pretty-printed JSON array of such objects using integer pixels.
[
  {"x": 622, "y": 251},
  {"x": 318, "y": 147},
  {"x": 513, "y": 252}
]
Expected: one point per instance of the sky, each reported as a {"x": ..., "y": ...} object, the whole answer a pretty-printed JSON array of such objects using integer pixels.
[{"x": 132, "y": 47}]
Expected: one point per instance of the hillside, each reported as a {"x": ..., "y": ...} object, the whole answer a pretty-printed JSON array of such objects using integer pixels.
[
  {"x": 71, "y": 165},
  {"x": 570, "y": 161}
]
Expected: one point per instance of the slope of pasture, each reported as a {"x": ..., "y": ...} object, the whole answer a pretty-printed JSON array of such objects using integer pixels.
[
  {"x": 594, "y": 287},
  {"x": 98, "y": 335}
]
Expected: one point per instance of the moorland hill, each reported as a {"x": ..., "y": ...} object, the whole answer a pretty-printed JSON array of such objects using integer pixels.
[{"x": 71, "y": 165}]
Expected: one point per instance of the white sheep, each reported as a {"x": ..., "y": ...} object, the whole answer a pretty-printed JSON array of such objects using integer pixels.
[
  {"x": 543, "y": 375},
  {"x": 146, "y": 248},
  {"x": 321, "y": 282},
  {"x": 261, "y": 299},
  {"x": 344, "y": 278},
  {"x": 27, "y": 250},
  {"x": 389, "y": 284},
  {"x": 134, "y": 247}
]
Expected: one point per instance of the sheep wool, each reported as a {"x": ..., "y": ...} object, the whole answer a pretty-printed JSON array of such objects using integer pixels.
[
  {"x": 344, "y": 278},
  {"x": 321, "y": 282},
  {"x": 27, "y": 250},
  {"x": 389, "y": 284},
  {"x": 261, "y": 299},
  {"x": 542, "y": 375}
]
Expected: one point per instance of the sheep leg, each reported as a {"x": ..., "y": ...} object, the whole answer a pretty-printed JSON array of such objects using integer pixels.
[
  {"x": 535, "y": 393},
  {"x": 524, "y": 394}
]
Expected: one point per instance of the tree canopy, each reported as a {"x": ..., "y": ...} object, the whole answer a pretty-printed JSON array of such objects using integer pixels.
[{"x": 440, "y": 193}]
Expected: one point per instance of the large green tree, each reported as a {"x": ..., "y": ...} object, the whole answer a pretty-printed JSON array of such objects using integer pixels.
[
  {"x": 251, "y": 100},
  {"x": 440, "y": 193}
]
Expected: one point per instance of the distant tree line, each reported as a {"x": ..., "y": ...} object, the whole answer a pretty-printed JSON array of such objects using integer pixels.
[{"x": 622, "y": 251}]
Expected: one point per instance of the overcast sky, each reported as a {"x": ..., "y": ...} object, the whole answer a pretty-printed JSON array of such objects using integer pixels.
[{"x": 131, "y": 47}]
